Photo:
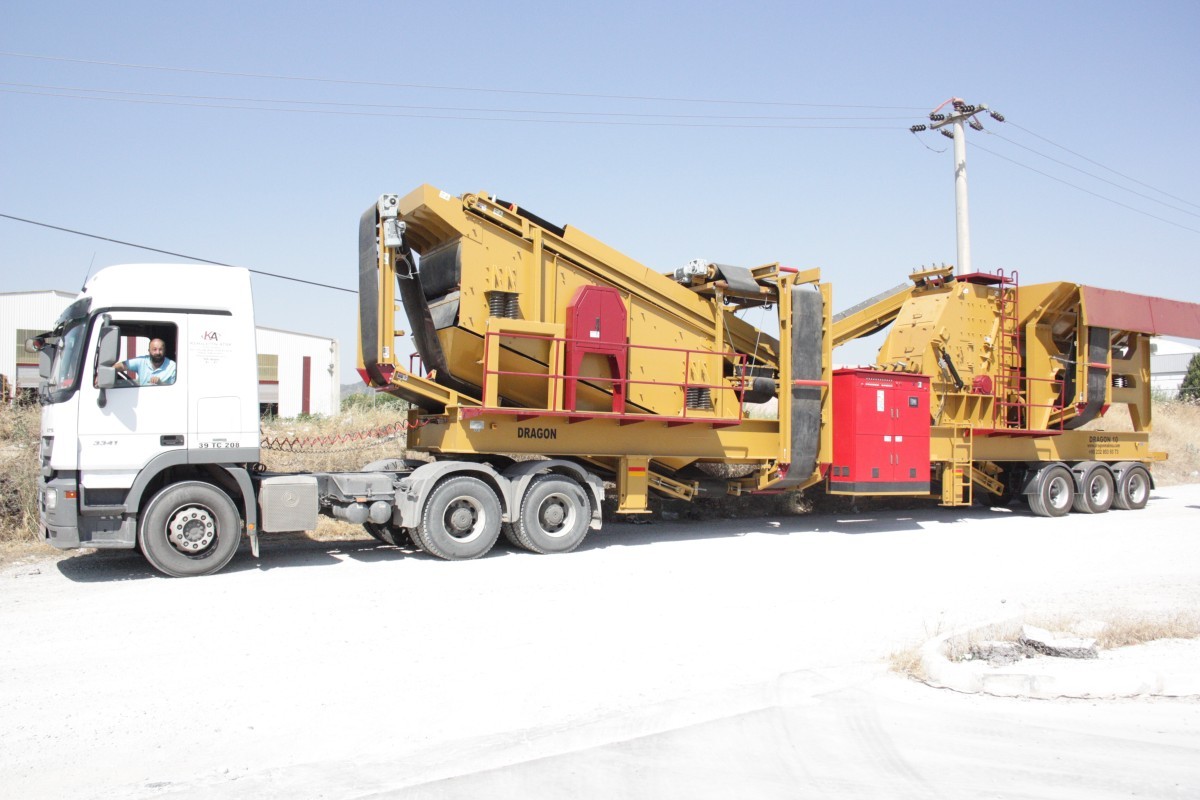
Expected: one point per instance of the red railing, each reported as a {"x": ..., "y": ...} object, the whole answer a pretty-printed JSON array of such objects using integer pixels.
[{"x": 690, "y": 393}]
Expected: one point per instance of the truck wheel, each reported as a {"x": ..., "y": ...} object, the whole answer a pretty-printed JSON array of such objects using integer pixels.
[
  {"x": 1096, "y": 489},
  {"x": 461, "y": 519},
  {"x": 1055, "y": 492},
  {"x": 1133, "y": 488},
  {"x": 510, "y": 534},
  {"x": 554, "y": 515},
  {"x": 190, "y": 529}
]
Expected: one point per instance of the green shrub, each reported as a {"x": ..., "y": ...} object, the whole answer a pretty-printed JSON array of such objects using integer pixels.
[
  {"x": 368, "y": 400},
  {"x": 1189, "y": 390}
]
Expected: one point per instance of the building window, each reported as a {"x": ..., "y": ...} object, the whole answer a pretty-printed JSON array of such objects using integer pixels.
[
  {"x": 268, "y": 368},
  {"x": 25, "y": 359}
]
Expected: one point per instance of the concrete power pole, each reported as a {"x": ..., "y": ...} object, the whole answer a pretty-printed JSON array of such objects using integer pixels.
[{"x": 962, "y": 115}]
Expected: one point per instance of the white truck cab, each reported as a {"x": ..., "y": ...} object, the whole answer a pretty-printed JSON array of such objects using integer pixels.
[{"x": 110, "y": 445}]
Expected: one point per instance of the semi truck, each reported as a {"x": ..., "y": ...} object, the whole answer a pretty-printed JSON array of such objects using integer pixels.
[{"x": 550, "y": 372}]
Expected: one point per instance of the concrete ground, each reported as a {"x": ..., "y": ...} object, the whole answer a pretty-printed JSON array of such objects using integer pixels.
[{"x": 682, "y": 659}]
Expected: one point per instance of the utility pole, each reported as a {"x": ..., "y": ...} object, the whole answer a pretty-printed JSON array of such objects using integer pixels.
[{"x": 962, "y": 115}]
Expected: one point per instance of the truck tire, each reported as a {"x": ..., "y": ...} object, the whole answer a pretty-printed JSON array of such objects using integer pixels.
[
  {"x": 1096, "y": 488},
  {"x": 510, "y": 535},
  {"x": 461, "y": 519},
  {"x": 1133, "y": 488},
  {"x": 189, "y": 529},
  {"x": 554, "y": 515},
  {"x": 1054, "y": 492}
]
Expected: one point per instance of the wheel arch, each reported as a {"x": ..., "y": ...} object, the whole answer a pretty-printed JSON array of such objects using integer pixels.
[
  {"x": 410, "y": 500},
  {"x": 1119, "y": 468},
  {"x": 174, "y": 467},
  {"x": 521, "y": 474}
]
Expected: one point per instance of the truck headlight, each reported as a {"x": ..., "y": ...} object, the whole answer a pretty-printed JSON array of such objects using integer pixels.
[{"x": 51, "y": 499}]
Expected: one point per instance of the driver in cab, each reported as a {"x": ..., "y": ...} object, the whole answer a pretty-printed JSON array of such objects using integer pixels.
[{"x": 152, "y": 370}]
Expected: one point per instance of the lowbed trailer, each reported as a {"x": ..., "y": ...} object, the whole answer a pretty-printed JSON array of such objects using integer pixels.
[{"x": 550, "y": 364}]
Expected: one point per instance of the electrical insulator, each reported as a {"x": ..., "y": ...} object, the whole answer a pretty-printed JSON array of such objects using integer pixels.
[
  {"x": 996, "y": 115},
  {"x": 946, "y": 133},
  {"x": 958, "y": 105},
  {"x": 975, "y": 124},
  {"x": 917, "y": 128},
  {"x": 937, "y": 117}
]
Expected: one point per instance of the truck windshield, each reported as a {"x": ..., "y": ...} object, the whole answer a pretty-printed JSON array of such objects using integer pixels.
[{"x": 64, "y": 370}]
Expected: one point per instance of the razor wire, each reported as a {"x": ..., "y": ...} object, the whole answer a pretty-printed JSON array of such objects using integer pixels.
[{"x": 341, "y": 442}]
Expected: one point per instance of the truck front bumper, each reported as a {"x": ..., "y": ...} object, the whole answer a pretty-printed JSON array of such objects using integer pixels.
[{"x": 57, "y": 502}]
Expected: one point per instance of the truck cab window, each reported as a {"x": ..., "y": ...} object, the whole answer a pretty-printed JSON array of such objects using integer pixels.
[{"x": 149, "y": 351}]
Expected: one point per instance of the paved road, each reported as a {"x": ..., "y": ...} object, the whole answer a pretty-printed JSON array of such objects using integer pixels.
[{"x": 735, "y": 657}]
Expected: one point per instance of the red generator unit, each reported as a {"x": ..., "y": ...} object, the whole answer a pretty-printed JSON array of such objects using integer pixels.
[{"x": 881, "y": 433}]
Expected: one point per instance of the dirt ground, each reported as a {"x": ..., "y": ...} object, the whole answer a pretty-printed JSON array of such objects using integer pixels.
[{"x": 738, "y": 657}]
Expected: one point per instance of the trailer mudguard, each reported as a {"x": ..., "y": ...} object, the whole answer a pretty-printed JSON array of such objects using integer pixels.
[
  {"x": 522, "y": 473},
  {"x": 414, "y": 489}
]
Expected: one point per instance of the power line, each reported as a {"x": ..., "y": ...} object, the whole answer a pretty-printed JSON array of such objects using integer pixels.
[
  {"x": 1102, "y": 166},
  {"x": 177, "y": 255},
  {"x": 436, "y": 108},
  {"x": 1097, "y": 177},
  {"x": 449, "y": 88},
  {"x": 331, "y": 112},
  {"x": 1086, "y": 191}
]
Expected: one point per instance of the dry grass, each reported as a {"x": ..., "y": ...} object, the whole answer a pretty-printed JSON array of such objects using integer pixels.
[
  {"x": 369, "y": 434},
  {"x": 1110, "y": 630},
  {"x": 1122, "y": 629},
  {"x": 20, "y": 429},
  {"x": 908, "y": 662}
]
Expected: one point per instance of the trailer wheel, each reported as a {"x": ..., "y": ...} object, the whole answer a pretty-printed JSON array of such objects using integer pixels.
[
  {"x": 554, "y": 515},
  {"x": 190, "y": 529},
  {"x": 461, "y": 519},
  {"x": 1133, "y": 488},
  {"x": 1096, "y": 489},
  {"x": 1054, "y": 493}
]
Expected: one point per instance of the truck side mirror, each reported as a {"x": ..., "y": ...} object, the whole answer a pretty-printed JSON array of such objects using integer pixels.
[
  {"x": 45, "y": 362},
  {"x": 45, "y": 351},
  {"x": 108, "y": 354}
]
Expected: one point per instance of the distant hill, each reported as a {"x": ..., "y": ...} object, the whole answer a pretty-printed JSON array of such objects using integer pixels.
[{"x": 357, "y": 387}]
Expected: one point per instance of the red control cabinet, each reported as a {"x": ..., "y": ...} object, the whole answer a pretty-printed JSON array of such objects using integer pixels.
[{"x": 880, "y": 433}]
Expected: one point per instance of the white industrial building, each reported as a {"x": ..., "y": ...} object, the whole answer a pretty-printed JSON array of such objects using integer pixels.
[
  {"x": 297, "y": 372},
  {"x": 1169, "y": 361}
]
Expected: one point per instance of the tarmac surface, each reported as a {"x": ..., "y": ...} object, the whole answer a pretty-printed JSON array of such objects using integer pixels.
[{"x": 742, "y": 657}]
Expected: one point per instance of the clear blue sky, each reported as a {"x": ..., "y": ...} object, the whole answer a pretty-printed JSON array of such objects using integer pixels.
[{"x": 746, "y": 182}]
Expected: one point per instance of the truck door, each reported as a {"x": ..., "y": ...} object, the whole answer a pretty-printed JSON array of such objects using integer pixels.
[{"x": 139, "y": 419}]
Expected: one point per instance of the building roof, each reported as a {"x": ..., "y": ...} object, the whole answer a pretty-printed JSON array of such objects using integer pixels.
[{"x": 65, "y": 295}]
